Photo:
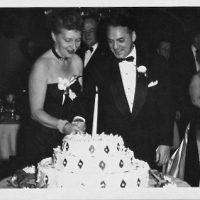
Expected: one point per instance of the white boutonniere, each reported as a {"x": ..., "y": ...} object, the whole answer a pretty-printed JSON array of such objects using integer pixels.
[
  {"x": 153, "y": 83},
  {"x": 64, "y": 84},
  {"x": 142, "y": 69}
]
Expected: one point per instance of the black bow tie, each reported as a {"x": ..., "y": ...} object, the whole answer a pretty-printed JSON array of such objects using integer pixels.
[
  {"x": 128, "y": 59},
  {"x": 90, "y": 49}
]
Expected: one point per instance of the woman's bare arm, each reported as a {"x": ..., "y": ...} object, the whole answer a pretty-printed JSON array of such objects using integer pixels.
[{"x": 37, "y": 92}]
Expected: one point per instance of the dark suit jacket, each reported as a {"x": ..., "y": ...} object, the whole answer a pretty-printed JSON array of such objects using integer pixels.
[
  {"x": 100, "y": 53},
  {"x": 151, "y": 121},
  {"x": 187, "y": 69}
]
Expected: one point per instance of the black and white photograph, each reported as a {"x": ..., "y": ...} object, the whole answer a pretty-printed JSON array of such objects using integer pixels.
[{"x": 99, "y": 100}]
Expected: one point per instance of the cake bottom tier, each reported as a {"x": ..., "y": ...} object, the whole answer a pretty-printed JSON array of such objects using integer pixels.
[{"x": 52, "y": 178}]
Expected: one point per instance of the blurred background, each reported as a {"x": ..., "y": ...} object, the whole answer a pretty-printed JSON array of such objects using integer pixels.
[{"x": 24, "y": 34}]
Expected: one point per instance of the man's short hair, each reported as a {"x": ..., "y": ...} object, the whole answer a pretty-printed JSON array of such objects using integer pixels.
[
  {"x": 163, "y": 40},
  {"x": 121, "y": 20},
  {"x": 91, "y": 16}
]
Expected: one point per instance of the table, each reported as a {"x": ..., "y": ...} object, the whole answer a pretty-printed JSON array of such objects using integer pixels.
[
  {"x": 179, "y": 183},
  {"x": 183, "y": 191},
  {"x": 8, "y": 139}
]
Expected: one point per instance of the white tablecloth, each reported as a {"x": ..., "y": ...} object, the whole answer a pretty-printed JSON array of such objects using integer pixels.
[
  {"x": 8, "y": 139},
  {"x": 182, "y": 191}
]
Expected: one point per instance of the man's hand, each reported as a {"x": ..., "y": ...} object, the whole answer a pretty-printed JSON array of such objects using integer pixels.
[{"x": 162, "y": 155}]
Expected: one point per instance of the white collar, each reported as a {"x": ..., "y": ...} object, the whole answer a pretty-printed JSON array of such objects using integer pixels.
[
  {"x": 193, "y": 49},
  {"x": 133, "y": 53},
  {"x": 95, "y": 47}
]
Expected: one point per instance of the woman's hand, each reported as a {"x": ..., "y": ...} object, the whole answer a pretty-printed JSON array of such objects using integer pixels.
[
  {"x": 71, "y": 128},
  {"x": 80, "y": 122}
]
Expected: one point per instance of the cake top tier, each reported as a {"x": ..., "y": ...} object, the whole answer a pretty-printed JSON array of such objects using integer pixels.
[
  {"x": 88, "y": 145},
  {"x": 96, "y": 138}
]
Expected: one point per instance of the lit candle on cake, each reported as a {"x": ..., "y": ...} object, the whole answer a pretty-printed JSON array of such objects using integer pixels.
[{"x": 95, "y": 115}]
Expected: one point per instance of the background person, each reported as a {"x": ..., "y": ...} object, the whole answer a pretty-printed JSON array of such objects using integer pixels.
[
  {"x": 188, "y": 63},
  {"x": 192, "y": 162},
  {"x": 92, "y": 51}
]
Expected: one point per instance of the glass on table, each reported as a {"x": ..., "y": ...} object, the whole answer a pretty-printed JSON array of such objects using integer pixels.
[
  {"x": 2, "y": 111},
  {"x": 12, "y": 114}
]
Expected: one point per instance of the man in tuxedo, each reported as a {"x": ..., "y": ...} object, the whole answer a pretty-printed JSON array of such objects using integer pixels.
[
  {"x": 91, "y": 48},
  {"x": 130, "y": 103},
  {"x": 161, "y": 65}
]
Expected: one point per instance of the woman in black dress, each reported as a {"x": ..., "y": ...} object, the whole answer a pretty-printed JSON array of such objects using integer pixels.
[{"x": 55, "y": 84}]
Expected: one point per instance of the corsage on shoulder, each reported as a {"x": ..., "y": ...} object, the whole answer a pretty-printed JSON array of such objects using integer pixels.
[{"x": 64, "y": 84}]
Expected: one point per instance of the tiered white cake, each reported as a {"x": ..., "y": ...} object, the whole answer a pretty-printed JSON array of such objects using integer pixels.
[{"x": 99, "y": 161}]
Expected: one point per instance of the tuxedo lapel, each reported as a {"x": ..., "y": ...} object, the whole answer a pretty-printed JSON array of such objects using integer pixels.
[
  {"x": 139, "y": 59},
  {"x": 140, "y": 96},
  {"x": 141, "y": 87},
  {"x": 97, "y": 53},
  {"x": 192, "y": 66},
  {"x": 117, "y": 90},
  {"x": 91, "y": 58}
]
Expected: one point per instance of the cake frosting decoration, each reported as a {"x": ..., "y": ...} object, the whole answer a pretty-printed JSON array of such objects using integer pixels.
[{"x": 100, "y": 162}]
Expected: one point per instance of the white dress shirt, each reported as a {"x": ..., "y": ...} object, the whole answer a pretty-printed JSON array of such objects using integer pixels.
[
  {"x": 128, "y": 75},
  {"x": 88, "y": 54},
  {"x": 194, "y": 53}
]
